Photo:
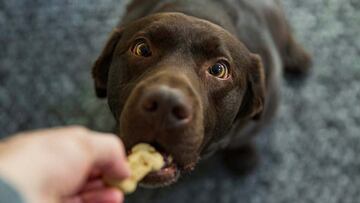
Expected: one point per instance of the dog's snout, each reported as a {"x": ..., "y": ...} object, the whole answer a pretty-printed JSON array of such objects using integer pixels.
[{"x": 165, "y": 104}]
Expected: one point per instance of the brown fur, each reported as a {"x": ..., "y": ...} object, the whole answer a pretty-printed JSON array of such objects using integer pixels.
[{"x": 186, "y": 39}]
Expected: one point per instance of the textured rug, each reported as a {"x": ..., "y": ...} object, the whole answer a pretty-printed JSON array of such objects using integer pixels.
[{"x": 309, "y": 154}]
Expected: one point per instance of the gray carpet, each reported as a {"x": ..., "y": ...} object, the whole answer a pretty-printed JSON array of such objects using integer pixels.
[{"x": 309, "y": 154}]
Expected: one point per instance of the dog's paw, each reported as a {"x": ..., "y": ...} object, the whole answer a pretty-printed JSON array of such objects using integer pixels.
[{"x": 297, "y": 61}]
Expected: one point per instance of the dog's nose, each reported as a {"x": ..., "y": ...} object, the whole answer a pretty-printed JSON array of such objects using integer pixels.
[{"x": 167, "y": 105}]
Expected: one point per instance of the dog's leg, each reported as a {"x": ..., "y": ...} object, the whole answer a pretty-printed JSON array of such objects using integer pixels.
[{"x": 242, "y": 160}]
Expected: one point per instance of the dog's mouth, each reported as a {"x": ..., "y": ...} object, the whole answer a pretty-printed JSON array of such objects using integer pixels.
[{"x": 167, "y": 175}]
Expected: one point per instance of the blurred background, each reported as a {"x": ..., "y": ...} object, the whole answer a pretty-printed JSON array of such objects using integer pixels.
[{"x": 309, "y": 154}]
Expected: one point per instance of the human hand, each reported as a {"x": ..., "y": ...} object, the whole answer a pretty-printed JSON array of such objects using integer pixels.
[{"x": 64, "y": 165}]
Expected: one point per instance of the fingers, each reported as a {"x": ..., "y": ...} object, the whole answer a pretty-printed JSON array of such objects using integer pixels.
[
  {"x": 93, "y": 185},
  {"x": 109, "y": 156},
  {"x": 105, "y": 195},
  {"x": 105, "y": 151}
]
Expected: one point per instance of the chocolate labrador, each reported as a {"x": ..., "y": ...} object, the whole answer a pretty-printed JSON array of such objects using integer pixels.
[{"x": 195, "y": 77}]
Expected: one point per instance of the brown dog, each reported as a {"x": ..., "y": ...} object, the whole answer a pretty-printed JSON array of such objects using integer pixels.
[{"x": 194, "y": 77}]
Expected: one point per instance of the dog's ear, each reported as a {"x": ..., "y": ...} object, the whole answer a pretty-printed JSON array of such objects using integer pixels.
[
  {"x": 254, "y": 99},
  {"x": 101, "y": 67}
]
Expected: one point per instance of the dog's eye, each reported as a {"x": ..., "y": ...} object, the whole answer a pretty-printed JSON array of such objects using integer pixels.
[
  {"x": 141, "y": 48},
  {"x": 219, "y": 70}
]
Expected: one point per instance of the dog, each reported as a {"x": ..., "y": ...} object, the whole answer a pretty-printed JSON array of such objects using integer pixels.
[{"x": 195, "y": 77}]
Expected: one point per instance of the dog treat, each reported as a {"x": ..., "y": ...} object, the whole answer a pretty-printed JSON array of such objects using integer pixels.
[{"x": 143, "y": 159}]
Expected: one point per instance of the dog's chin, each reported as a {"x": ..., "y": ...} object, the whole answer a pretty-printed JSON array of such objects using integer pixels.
[{"x": 168, "y": 175}]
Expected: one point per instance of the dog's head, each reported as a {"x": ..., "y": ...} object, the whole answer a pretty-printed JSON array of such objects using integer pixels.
[{"x": 178, "y": 83}]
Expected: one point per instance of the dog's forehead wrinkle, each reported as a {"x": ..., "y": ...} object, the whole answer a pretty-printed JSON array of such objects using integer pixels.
[
  {"x": 210, "y": 48},
  {"x": 182, "y": 27},
  {"x": 172, "y": 28}
]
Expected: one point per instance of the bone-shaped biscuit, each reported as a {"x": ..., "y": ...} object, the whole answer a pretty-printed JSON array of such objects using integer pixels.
[{"x": 143, "y": 159}]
